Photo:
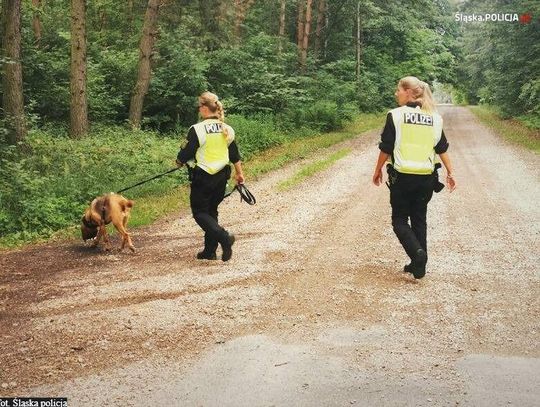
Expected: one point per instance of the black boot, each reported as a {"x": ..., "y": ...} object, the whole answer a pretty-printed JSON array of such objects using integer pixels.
[
  {"x": 210, "y": 246},
  {"x": 418, "y": 264},
  {"x": 204, "y": 255},
  {"x": 226, "y": 245}
]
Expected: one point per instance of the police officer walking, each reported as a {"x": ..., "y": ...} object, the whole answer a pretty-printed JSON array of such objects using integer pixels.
[
  {"x": 411, "y": 138},
  {"x": 209, "y": 149}
]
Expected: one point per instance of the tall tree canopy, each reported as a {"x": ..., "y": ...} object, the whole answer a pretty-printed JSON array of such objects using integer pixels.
[
  {"x": 271, "y": 56},
  {"x": 501, "y": 60}
]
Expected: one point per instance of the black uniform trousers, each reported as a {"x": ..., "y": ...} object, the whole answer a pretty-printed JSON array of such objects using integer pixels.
[
  {"x": 207, "y": 192},
  {"x": 409, "y": 197}
]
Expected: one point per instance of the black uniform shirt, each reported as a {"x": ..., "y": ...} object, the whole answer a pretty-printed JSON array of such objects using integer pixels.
[
  {"x": 188, "y": 152},
  {"x": 388, "y": 136}
]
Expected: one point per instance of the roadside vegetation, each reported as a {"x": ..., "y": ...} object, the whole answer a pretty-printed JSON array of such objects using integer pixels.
[
  {"x": 510, "y": 129},
  {"x": 95, "y": 107},
  {"x": 48, "y": 186},
  {"x": 313, "y": 168}
]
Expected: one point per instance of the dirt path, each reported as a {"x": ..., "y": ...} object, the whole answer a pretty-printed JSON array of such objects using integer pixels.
[{"x": 311, "y": 310}]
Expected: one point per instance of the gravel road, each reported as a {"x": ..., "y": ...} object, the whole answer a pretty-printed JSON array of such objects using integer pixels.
[{"x": 313, "y": 309}]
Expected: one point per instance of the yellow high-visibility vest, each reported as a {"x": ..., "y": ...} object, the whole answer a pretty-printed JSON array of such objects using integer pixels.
[
  {"x": 417, "y": 134},
  {"x": 213, "y": 152}
]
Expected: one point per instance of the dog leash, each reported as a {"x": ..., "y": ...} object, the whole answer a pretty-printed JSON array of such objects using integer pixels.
[
  {"x": 245, "y": 194},
  {"x": 149, "y": 179}
]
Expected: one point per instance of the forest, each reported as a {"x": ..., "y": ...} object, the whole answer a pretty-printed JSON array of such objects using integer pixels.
[{"x": 97, "y": 95}]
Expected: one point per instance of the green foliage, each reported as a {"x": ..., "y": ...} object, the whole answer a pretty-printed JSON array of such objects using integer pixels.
[
  {"x": 46, "y": 185},
  {"x": 267, "y": 97},
  {"x": 255, "y": 134},
  {"x": 327, "y": 115},
  {"x": 177, "y": 80},
  {"x": 255, "y": 78},
  {"x": 529, "y": 99},
  {"x": 501, "y": 60},
  {"x": 46, "y": 82},
  {"x": 258, "y": 73},
  {"x": 525, "y": 132},
  {"x": 110, "y": 83}
]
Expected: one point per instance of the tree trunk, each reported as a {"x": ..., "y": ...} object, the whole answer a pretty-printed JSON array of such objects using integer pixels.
[
  {"x": 211, "y": 20},
  {"x": 358, "y": 42},
  {"x": 237, "y": 18},
  {"x": 241, "y": 8},
  {"x": 326, "y": 24},
  {"x": 130, "y": 13},
  {"x": 146, "y": 47},
  {"x": 36, "y": 21},
  {"x": 79, "y": 105},
  {"x": 300, "y": 25},
  {"x": 305, "y": 43},
  {"x": 320, "y": 21},
  {"x": 13, "y": 101},
  {"x": 102, "y": 19},
  {"x": 281, "y": 24}
]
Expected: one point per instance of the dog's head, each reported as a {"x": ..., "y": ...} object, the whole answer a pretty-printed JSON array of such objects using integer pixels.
[{"x": 88, "y": 229}]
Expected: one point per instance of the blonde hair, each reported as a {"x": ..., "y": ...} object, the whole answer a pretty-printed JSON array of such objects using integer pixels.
[
  {"x": 211, "y": 101},
  {"x": 421, "y": 92}
]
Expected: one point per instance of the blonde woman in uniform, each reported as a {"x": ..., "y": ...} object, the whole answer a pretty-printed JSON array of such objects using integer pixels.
[
  {"x": 209, "y": 150},
  {"x": 411, "y": 139}
]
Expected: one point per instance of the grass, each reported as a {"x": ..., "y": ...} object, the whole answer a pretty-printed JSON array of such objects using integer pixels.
[
  {"x": 510, "y": 129},
  {"x": 148, "y": 209},
  {"x": 276, "y": 157},
  {"x": 313, "y": 168}
]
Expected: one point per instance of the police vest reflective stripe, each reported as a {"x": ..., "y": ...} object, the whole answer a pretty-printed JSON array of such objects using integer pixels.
[
  {"x": 213, "y": 152},
  {"x": 417, "y": 134}
]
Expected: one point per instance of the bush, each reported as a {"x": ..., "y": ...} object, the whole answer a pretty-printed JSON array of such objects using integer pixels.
[
  {"x": 326, "y": 116},
  {"x": 256, "y": 78},
  {"x": 255, "y": 134},
  {"x": 47, "y": 188},
  {"x": 111, "y": 76},
  {"x": 178, "y": 78},
  {"x": 529, "y": 99}
]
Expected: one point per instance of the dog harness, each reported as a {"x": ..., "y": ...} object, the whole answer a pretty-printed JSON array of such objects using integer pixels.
[{"x": 91, "y": 223}]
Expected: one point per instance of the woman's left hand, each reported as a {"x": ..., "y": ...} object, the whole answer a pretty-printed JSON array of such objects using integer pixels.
[
  {"x": 239, "y": 178},
  {"x": 450, "y": 182}
]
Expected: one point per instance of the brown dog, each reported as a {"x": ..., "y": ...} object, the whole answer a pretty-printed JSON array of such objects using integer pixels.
[{"x": 102, "y": 211}]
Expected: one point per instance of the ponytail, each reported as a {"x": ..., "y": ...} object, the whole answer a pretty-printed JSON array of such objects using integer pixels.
[
  {"x": 420, "y": 91},
  {"x": 211, "y": 101},
  {"x": 221, "y": 117},
  {"x": 428, "y": 104},
  {"x": 220, "y": 111}
]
